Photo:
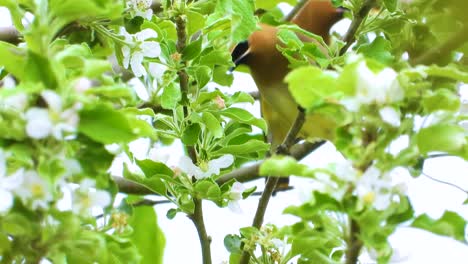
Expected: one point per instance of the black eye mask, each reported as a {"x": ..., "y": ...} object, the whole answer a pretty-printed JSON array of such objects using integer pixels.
[{"x": 239, "y": 54}]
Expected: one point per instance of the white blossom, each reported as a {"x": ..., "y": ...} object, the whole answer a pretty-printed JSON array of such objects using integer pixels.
[
  {"x": 390, "y": 116},
  {"x": 34, "y": 190},
  {"x": 205, "y": 169},
  {"x": 86, "y": 197},
  {"x": 235, "y": 196},
  {"x": 374, "y": 88},
  {"x": 133, "y": 55},
  {"x": 17, "y": 101},
  {"x": 377, "y": 188},
  {"x": 51, "y": 121},
  {"x": 82, "y": 84},
  {"x": 141, "y": 8},
  {"x": 7, "y": 184}
]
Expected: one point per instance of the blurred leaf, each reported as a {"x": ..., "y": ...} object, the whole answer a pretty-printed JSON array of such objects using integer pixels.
[
  {"x": 379, "y": 50},
  {"x": 170, "y": 97},
  {"x": 14, "y": 60},
  {"x": 442, "y": 137},
  {"x": 212, "y": 124},
  {"x": 450, "y": 224},
  {"x": 147, "y": 235},
  {"x": 310, "y": 86},
  {"x": 283, "y": 166}
]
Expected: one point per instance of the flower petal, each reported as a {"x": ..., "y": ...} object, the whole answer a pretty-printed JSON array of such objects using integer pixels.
[
  {"x": 186, "y": 165},
  {"x": 53, "y": 100},
  {"x": 146, "y": 34},
  {"x": 6, "y": 199},
  {"x": 38, "y": 124},
  {"x": 150, "y": 49},
  {"x": 136, "y": 64},
  {"x": 390, "y": 116}
]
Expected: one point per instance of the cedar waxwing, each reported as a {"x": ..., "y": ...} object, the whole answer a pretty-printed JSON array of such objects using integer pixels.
[{"x": 268, "y": 68}]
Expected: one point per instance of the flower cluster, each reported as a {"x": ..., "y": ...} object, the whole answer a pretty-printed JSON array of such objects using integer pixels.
[
  {"x": 381, "y": 88},
  {"x": 53, "y": 120}
]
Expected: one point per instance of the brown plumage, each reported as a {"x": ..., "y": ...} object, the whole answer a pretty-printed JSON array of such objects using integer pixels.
[{"x": 268, "y": 68}]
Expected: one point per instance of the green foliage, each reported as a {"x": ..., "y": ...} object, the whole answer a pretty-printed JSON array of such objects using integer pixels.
[{"x": 70, "y": 108}]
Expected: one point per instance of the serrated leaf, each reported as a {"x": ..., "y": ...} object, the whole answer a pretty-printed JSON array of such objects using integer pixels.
[
  {"x": 282, "y": 166},
  {"x": 245, "y": 117},
  {"x": 310, "y": 86},
  {"x": 450, "y": 224},
  {"x": 104, "y": 124},
  {"x": 380, "y": 50},
  {"x": 212, "y": 124}
]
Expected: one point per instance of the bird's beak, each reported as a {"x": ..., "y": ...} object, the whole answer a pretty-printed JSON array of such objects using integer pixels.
[{"x": 239, "y": 54}]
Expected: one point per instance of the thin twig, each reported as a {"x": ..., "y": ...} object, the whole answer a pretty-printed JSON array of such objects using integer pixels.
[
  {"x": 444, "y": 182},
  {"x": 295, "y": 10},
  {"x": 350, "y": 36},
  {"x": 272, "y": 181}
]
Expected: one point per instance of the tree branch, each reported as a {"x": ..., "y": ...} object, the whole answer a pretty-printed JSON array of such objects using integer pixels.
[
  {"x": 354, "y": 244},
  {"x": 350, "y": 36},
  {"x": 272, "y": 181},
  {"x": 198, "y": 221}
]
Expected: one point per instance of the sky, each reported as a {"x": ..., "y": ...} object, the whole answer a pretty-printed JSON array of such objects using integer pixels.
[{"x": 412, "y": 246}]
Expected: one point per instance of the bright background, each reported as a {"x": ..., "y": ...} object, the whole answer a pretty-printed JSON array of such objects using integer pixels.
[{"x": 412, "y": 246}]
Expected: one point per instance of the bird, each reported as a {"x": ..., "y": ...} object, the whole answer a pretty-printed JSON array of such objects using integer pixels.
[{"x": 268, "y": 68}]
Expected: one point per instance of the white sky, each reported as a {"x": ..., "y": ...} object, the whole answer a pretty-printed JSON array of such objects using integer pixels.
[{"x": 413, "y": 245}]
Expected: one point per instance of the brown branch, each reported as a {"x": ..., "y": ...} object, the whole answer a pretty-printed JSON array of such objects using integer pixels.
[
  {"x": 205, "y": 240},
  {"x": 245, "y": 174},
  {"x": 354, "y": 244},
  {"x": 350, "y": 36},
  {"x": 272, "y": 181},
  {"x": 442, "y": 50}
]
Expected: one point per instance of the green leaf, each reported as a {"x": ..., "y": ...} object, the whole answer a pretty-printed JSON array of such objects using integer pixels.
[
  {"x": 40, "y": 69},
  {"x": 391, "y": 5},
  {"x": 212, "y": 124},
  {"x": 195, "y": 21},
  {"x": 441, "y": 99},
  {"x": 268, "y": 4},
  {"x": 13, "y": 59},
  {"x": 310, "y": 86},
  {"x": 289, "y": 38},
  {"x": 442, "y": 137},
  {"x": 250, "y": 146},
  {"x": 283, "y": 166},
  {"x": 450, "y": 224},
  {"x": 208, "y": 189},
  {"x": 154, "y": 184},
  {"x": 104, "y": 124},
  {"x": 448, "y": 72},
  {"x": 147, "y": 235},
  {"x": 380, "y": 50},
  {"x": 232, "y": 243},
  {"x": 191, "y": 134},
  {"x": 320, "y": 202},
  {"x": 170, "y": 97},
  {"x": 71, "y": 10},
  {"x": 151, "y": 168},
  {"x": 171, "y": 213},
  {"x": 244, "y": 116},
  {"x": 192, "y": 50}
]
